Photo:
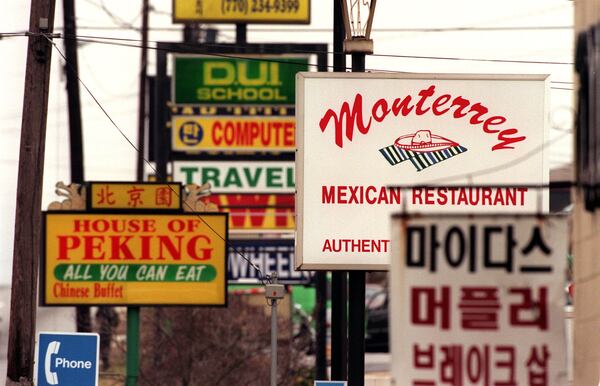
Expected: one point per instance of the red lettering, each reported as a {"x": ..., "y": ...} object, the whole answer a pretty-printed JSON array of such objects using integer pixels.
[
  {"x": 424, "y": 94},
  {"x": 480, "y": 110},
  {"x": 66, "y": 243},
  {"x": 462, "y": 104},
  {"x": 383, "y": 106},
  {"x": 119, "y": 246},
  {"x": 350, "y": 117},
  {"x": 285, "y": 206},
  {"x": 91, "y": 244},
  {"x": 506, "y": 141},
  {"x": 442, "y": 100},
  {"x": 205, "y": 253},
  {"x": 402, "y": 104}
]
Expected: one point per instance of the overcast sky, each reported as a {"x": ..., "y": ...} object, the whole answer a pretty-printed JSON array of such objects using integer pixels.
[{"x": 111, "y": 72}]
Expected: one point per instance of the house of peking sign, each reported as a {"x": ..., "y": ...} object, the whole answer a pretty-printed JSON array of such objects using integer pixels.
[
  {"x": 134, "y": 247},
  {"x": 475, "y": 142},
  {"x": 478, "y": 300}
]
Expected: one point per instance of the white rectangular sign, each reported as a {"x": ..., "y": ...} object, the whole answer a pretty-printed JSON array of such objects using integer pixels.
[
  {"x": 238, "y": 176},
  {"x": 476, "y": 142},
  {"x": 478, "y": 300}
]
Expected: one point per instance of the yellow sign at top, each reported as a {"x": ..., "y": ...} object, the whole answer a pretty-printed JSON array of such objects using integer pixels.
[{"x": 242, "y": 11}]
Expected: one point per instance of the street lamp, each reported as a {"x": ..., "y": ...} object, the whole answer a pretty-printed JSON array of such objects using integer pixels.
[{"x": 358, "y": 19}]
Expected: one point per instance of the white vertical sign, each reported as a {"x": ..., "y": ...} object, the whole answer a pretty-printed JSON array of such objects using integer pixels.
[
  {"x": 478, "y": 300},
  {"x": 475, "y": 143}
]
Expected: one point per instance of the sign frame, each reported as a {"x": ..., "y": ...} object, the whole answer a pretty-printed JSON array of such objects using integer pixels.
[
  {"x": 43, "y": 262},
  {"x": 382, "y": 264}
]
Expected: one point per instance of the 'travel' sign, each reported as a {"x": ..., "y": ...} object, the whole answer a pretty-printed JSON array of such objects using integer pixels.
[
  {"x": 128, "y": 195},
  {"x": 233, "y": 133},
  {"x": 362, "y": 136},
  {"x": 234, "y": 81},
  {"x": 242, "y": 11},
  {"x": 134, "y": 259},
  {"x": 478, "y": 300},
  {"x": 238, "y": 176}
]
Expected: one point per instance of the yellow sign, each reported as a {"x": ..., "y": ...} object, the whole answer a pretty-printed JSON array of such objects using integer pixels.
[
  {"x": 242, "y": 11},
  {"x": 257, "y": 212},
  {"x": 118, "y": 195},
  {"x": 259, "y": 133},
  {"x": 134, "y": 259}
]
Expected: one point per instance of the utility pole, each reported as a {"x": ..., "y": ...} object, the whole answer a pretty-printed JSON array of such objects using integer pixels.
[
  {"x": 141, "y": 144},
  {"x": 23, "y": 305},
  {"x": 339, "y": 279},
  {"x": 83, "y": 319},
  {"x": 133, "y": 313}
]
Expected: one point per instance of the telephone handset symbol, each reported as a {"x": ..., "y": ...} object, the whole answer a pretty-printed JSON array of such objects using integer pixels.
[{"x": 51, "y": 376}]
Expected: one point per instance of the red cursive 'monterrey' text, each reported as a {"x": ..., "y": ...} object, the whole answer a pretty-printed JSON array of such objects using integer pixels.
[{"x": 459, "y": 107}]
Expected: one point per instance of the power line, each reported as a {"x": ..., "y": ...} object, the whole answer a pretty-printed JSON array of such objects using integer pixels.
[
  {"x": 329, "y": 30},
  {"x": 107, "y": 40}
]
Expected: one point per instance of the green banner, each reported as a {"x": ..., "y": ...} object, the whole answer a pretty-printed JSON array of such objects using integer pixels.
[
  {"x": 212, "y": 80},
  {"x": 136, "y": 272}
]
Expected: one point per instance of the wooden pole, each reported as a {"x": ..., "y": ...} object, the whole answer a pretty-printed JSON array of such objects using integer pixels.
[
  {"x": 27, "y": 238},
  {"x": 83, "y": 319}
]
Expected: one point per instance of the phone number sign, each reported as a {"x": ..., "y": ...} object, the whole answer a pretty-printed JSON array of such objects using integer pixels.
[
  {"x": 242, "y": 11},
  {"x": 124, "y": 259}
]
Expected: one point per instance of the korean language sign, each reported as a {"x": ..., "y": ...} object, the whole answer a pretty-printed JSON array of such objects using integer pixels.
[
  {"x": 478, "y": 300},
  {"x": 134, "y": 259},
  {"x": 242, "y": 11},
  {"x": 370, "y": 145}
]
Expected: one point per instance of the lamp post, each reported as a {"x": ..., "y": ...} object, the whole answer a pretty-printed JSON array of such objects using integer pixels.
[{"x": 358, "y": 19}]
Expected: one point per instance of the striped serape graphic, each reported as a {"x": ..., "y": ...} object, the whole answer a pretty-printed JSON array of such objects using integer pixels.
[
  {"x": 421, "y": 160},
  {"x": 394, "y": 155}
]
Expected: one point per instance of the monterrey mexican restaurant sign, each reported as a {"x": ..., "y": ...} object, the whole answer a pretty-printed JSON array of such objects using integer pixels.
[
  {"x": 121, "y": 259},
  {"x": 476, "y": 142}
]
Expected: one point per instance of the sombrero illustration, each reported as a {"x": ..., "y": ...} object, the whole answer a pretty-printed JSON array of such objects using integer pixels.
[{"x": 422, "y": 148}]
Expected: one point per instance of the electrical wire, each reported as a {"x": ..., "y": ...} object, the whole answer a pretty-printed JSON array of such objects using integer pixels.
[
  {"x": 264, "y": 278},
  {"x": 79, "y": 36},
  {"x": 119, "y": 42},
  {"x": 330, "y": 30}
]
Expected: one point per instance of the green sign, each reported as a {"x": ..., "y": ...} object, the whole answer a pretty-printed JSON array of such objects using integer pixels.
[
  {"x": 136, "y": 272},
  {"x": 212, "y": 80}
]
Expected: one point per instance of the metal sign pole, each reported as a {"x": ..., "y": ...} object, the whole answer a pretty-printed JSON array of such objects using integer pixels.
[
  {"x": 356, "y": 308},
  {"x": 133, "y": 343},
  {"x": 273, "y": 293},
  {"x": 273, "y": 342}
]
